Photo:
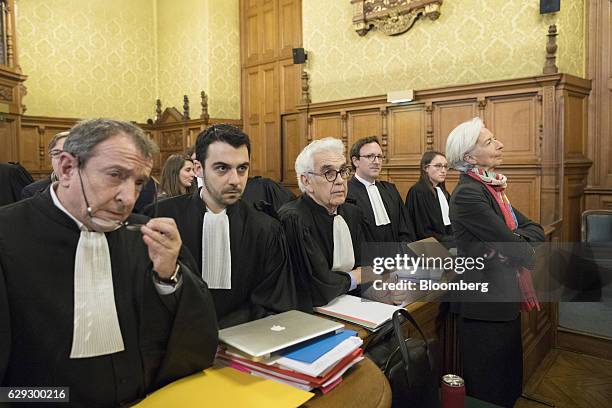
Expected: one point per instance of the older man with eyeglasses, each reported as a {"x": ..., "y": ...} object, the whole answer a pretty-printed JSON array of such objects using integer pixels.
[
  {"x": 323, "y": 232},
  {"x": 381, "y": 203},
  {"x": 110, "y": 312}
]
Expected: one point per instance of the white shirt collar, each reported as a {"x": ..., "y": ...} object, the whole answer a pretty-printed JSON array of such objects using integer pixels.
[
  {"x": 363, "y": 181},
  {"x": 59, "y": 205}
]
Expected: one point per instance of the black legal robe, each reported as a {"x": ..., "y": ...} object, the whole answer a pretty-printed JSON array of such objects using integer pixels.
[
  {"x": 165, "y": 337},
  {"x": 13, "y": 178},
  {"x": 262, "y": 282},
  {"x": 36, "y": 187},
  {"x": 310, "y": 235},
  {"x": 425, "y": 213},
  {"x": 260, "y": 189},
  {"x": 400, "y": 229}
]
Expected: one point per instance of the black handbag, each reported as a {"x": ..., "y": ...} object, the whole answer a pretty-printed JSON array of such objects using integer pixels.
[{"x": 409, "y": 364}]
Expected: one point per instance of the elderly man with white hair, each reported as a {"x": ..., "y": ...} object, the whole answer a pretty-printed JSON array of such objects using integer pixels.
[
  {"x": 323, "y": 232},
  {"x": 486, "y": 225}
]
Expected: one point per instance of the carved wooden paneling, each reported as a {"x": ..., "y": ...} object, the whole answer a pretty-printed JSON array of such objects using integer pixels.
[
  {"x": 294, "y": 137},
  {"x": 30, "y": 147},
  {"x": 513, "y": 121},
  {"x": 326, "y": 126},
  {"x": 250, "y": 32},
  {"x": 363, "y": 124},
  {"x": 524, "y": 193},
  {"x": 290, "y": 26},
  {"x": 576, "y": 106},
  {"x": 403, "y": 180},
  {"x": 271, "y": 127},
  {"x": 289, "y": 86},
  {"x": 269, "y": 29},
  {"x": 599, "y": 67},
  {"x": 271, "y": 84},
  {"x": 446, "y": 116},
  {"x": 406, "y": 142}
]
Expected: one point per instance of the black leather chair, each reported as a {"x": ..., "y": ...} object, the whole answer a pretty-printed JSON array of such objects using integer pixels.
[{"x": 596, "y": 226}]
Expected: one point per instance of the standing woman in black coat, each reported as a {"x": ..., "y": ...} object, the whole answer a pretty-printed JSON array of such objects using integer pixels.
[
  {"x": 427, "y": 200},
  {"x": 486, "y": 225}
]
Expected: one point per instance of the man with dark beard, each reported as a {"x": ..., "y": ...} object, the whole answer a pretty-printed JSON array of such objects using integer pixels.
[{"x": 241, "y": 252}]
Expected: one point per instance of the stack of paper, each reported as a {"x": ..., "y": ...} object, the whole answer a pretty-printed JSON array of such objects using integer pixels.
[
  {"x": 369, "y": 314},
  {"x": 318, "y": 363}
]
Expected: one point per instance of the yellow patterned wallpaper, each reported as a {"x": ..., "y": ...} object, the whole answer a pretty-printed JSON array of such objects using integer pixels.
[
  {"x": 472, "y": 41},
  {"x": 113, "y": 58},
  {"x": 199, "y": 49},
  {"x": 87, "y": 58}
]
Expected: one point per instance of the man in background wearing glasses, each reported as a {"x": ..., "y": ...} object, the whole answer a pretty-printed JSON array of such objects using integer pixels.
[
  {"x": 56, "y": 146},
  {"x": 323, "y": 232},
  {"x": 89, "y": 301},
  {"x": 381, "y": 203},
  {"x": 241, "y": 252}
]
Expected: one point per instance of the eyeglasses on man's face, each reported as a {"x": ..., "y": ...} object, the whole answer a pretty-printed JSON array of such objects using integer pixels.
[
  {"x": 331, "y": 175},
  {"x": 372, "y": 157},
  {"x": 439, "y": 166}
]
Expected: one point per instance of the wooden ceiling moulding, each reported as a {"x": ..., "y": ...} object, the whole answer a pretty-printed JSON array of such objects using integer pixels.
[{"x": 392, "y": 17}]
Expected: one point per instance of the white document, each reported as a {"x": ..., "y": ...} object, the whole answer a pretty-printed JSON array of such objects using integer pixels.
[{"x": 363, "y": 312}]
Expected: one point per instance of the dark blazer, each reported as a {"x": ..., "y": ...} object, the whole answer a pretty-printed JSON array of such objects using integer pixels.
[
  {"x": 34, "y": 188},
  {"x": 479, "y": 227}
]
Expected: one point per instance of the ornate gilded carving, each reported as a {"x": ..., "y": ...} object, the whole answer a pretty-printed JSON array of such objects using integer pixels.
[{"x": 391, "y": 17}]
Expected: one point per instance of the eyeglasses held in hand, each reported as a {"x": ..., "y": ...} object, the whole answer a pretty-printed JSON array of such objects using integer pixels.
[{"x": 331, "y": 175}]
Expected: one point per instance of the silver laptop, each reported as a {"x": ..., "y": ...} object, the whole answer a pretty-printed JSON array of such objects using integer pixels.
[
  {"x": 262, "y": 337},
  {"x": 429, "y": 248}
]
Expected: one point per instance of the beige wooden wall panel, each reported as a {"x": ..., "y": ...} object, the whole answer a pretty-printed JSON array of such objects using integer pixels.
[
  {"x": 327, "y": 126},
  {"x": 289, "y": 85},
  {"x": 363, "y": 124},
  {"x": 268, "y": 30},
  {"x": 295, "y": 131},
  {"x": 446, "y": 116},
  {"x": 29, "y": 147},
  {"x": 576, "y": 106},
  {"x": 290, "y": 27},
  {"x": 513, "y": 121},
  {"x": 406, "y": 140}
]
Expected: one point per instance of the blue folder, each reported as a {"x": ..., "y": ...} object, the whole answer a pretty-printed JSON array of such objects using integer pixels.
[{"x": 311, "y": 350}]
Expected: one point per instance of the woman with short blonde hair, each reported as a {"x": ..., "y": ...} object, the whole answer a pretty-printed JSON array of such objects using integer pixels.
[{"x": 486, "y": 226}]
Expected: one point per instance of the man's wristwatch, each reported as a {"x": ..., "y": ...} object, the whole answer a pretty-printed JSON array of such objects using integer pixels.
[{"x": 172, "y": 280}]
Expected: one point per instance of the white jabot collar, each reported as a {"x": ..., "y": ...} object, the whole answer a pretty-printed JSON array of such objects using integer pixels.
[
  {"x": 344, "y": 256},
  {"x": 378, "y": 206},
  {"x": 443, "y": 206},
  {"x": 95, "y": 326},
  {"x": 216, "y": 250}
]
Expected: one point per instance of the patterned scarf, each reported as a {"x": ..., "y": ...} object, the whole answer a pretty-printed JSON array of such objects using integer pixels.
[{"x": 496, "y": 185}]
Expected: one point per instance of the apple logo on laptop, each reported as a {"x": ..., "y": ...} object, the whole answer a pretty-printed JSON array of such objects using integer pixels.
[{"x": 277, "y": 328}]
